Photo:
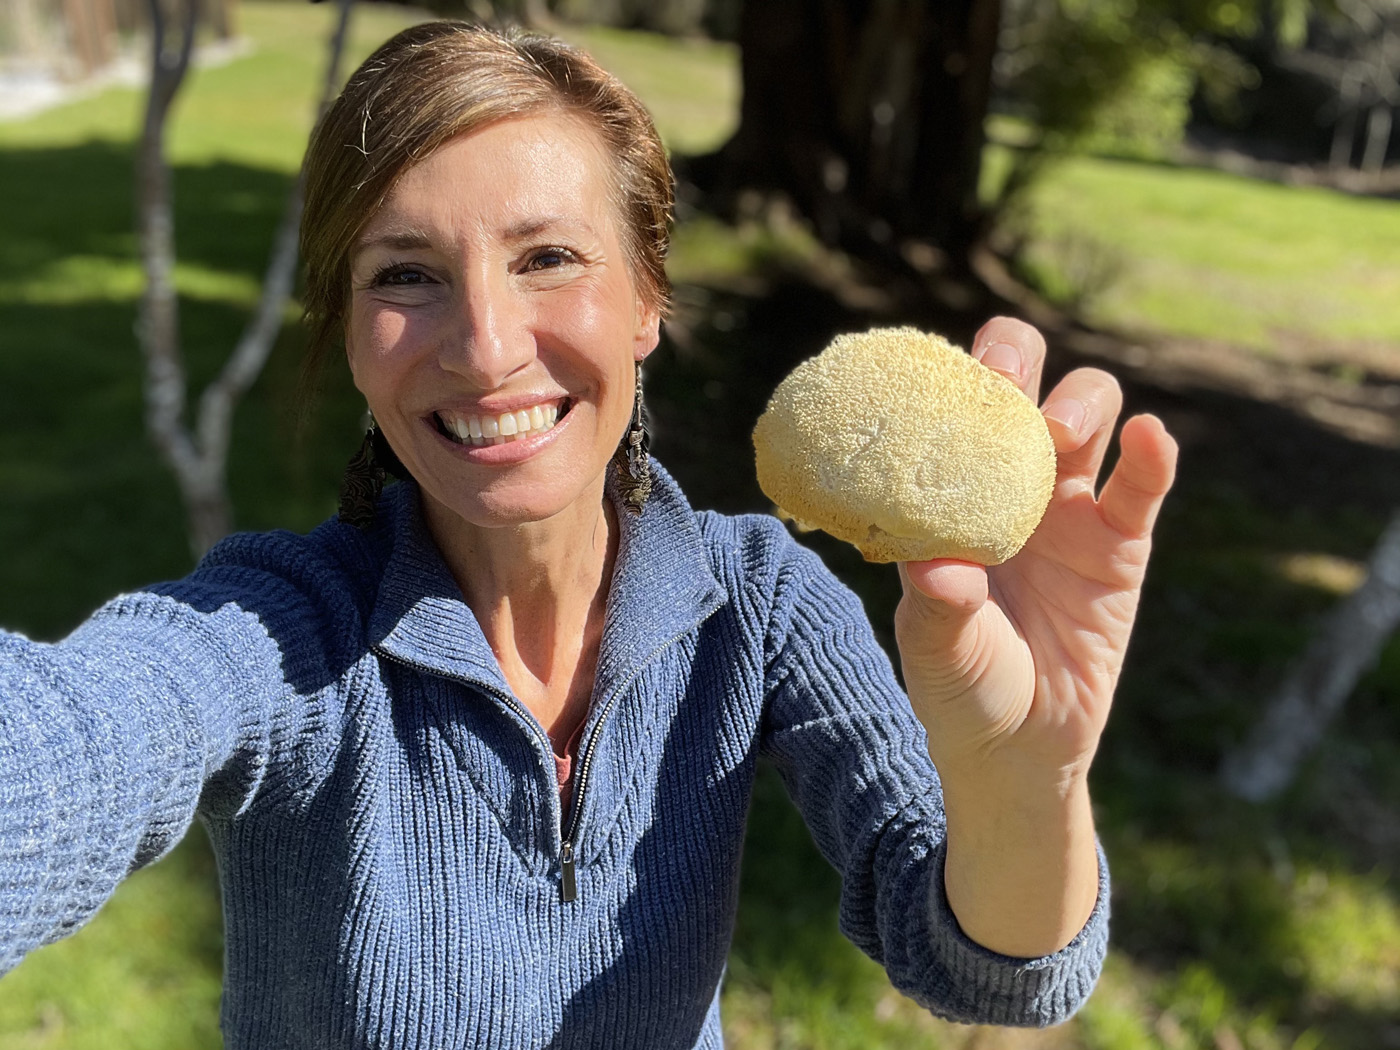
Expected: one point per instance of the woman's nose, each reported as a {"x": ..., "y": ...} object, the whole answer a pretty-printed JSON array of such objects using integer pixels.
[{"x": 491, "y": 340}]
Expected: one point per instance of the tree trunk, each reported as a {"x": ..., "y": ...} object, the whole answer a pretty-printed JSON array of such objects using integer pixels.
[
  {"x": 198, "y": 455},
  {"x": 27, "y": 34},
  {"x": 1343, "y": 137},
  {"x": 1377, "y": 138},
  {"x": 1318, "y": 685},
  {"x": 223, "y": 18},
  {"x": 91, "y": 26},
  {"x": 673, "y": 17},
  {"x": 868, "y": 114},
  {"x": 158, "y": 326}
]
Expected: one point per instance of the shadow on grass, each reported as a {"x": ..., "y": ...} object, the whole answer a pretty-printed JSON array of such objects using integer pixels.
[
  {"x": 1199, "y": 886},
  {"x": 91, "y": 509}
]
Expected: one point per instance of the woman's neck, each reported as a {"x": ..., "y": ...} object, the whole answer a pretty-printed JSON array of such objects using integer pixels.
[{"x": 539, "y": 591}]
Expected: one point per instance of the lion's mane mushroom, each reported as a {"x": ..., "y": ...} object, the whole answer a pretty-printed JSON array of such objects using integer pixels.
[{"x": 903, "y": 445}]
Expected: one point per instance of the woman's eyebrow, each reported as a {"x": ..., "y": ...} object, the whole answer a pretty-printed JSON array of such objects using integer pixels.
[
  {"x": 408, "y": 238},
  {"x": 527, "y": 228},
  {"x": 397, "y": 239}
]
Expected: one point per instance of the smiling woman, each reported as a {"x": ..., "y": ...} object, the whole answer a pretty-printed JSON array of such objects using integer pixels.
[
  {"x": 513, "y": 301},
  {"x": 476, "y": 765}
]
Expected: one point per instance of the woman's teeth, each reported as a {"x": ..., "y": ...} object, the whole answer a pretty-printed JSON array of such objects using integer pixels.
[{"x": 497, "y": 430}]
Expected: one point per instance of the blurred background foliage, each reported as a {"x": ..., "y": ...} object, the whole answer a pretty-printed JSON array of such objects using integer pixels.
[{"x": 1195, "y": 194}]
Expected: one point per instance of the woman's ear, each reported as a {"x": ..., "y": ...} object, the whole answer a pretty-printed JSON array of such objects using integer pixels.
[{"x": 648, "y": 329}]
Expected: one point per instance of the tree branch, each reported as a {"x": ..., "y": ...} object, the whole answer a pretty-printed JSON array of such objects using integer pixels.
[
  {"x": 200, "y": 459},
  {"x": 246, "y": 362},
  {"x": 158, "y": 319}
]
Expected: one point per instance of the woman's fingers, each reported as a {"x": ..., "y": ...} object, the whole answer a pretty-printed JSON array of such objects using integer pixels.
[
  {"x": 1082, "y": 411},
  {"x": 1134, "y": 492},
  {"x": 1014, "y": 349}
]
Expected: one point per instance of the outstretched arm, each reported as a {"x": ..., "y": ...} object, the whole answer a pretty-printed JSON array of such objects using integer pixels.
[
  {"x": 163, "y": 701},
  {"x": 1012, "y": 669}
]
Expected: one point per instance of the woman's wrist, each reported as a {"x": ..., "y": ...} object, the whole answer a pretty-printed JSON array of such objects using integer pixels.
[{"x": 1021, "y": 873}]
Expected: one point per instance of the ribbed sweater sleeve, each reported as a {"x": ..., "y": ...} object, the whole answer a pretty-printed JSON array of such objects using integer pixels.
[
  {"x": 110, "y": 739},
  {"x": 855, "y": 761}
]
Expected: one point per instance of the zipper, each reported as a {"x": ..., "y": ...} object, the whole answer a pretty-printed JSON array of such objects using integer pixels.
[
  {"x": 568, "y": 888},
  {"x": 568, "y": 881}
]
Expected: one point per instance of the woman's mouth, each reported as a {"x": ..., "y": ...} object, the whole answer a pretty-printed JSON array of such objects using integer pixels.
[{"x": 479, "y": 430}]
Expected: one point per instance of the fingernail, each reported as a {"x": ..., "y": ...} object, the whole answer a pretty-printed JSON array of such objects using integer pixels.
[
  {"x": 1068, "y": 412},
  {"x": 1004, "y": 358}
]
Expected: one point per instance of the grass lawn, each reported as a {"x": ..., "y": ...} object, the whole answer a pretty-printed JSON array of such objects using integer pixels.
[
  {"x": 1259, "y": 929},
  {"x": 1198, "y": 253}
]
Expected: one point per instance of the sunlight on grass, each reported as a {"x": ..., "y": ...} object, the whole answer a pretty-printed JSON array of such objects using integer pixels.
[
  {"x": 86, "y": 278},
  {"x": 144, "y": 976},
  {"x": 707, "y": 251},
  {"x": 1199, "y": 253},
  {"x": 1137, "y": 1009},
  {"x": 1260, "y": 941},
  {"x": 690, "y": 86},
  {"x": 1348, "y": 934},
  {"x": 1116, "y": 1018},
  {"x": 257, "y": 109}
]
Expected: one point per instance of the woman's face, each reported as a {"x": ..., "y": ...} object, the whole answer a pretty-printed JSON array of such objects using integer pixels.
[{"x": 494, "y": 326}]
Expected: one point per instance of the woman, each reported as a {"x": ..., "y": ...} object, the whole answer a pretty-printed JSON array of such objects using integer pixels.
[{"x": 475, "y": 761}]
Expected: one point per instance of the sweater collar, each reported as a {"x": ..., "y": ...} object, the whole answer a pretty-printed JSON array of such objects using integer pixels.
[{"x": 662, "y": 588}]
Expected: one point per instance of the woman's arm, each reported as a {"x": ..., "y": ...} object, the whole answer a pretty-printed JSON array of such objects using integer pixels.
[
  {"x": 856, "y": 762},
  {"x": 161, "y": 703},
  {"x": 105, "y": 743},
  {"x": 1012, "y": 669}
]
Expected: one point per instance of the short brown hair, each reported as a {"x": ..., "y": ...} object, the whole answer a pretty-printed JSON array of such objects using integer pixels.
[{"x": 438, "y": 80}]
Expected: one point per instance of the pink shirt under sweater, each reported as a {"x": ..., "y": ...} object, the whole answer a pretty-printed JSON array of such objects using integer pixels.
[{"x": 564, "y": 769}]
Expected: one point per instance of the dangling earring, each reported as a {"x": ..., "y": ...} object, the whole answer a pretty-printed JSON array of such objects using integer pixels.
[
  {"x": 632, "y": 460},
  {"x": 363, "y": 479}
]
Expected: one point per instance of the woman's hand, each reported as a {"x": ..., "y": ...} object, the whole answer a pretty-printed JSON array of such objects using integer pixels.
[
  {"x": 1021, "y": 660},
  {"x": 1012, "y": 669}
]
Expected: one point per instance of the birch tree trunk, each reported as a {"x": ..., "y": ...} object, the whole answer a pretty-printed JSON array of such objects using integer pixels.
[
  {"x": 198, "y": 453},
  {"x": 27, "y": 30},
  {"x": 91, "y": 27},
  {"x": 223, "y": 18},
  {"x": 1317, "y": 686}
]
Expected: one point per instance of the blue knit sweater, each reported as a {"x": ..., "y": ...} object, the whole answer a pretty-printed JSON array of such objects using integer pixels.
[{"x": 385, "y": 814}]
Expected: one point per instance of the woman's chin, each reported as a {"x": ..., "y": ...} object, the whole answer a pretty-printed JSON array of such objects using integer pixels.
[{"x": 508, "y": 502}]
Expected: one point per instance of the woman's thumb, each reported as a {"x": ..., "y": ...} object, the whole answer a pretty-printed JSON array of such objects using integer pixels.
[{"x": 941, "y": 599}]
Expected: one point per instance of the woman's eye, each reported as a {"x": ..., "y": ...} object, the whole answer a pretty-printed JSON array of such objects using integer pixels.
[
  {"x": 550, "y": 258},
  {"x": 398, "y": 276}
]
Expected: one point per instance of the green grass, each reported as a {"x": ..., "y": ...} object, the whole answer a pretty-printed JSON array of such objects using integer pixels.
[
  {"x": 146, "y": 974},
  {"x": 1275, "y": 927},
  {"x": 690, "y": 86},
  {"x": 1206, "y": 254},
  {"x": 255, "y": 110}
]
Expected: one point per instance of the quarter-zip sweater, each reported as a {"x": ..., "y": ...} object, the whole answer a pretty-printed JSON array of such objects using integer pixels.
[{"x": 386, "y": 815}]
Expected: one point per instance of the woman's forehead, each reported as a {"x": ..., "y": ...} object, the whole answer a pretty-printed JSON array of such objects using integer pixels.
[{"x": 519, "y": 177}]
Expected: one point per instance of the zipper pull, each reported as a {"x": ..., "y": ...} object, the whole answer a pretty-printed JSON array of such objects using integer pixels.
[{"x": 568, "y": 890}]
